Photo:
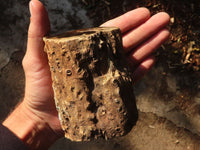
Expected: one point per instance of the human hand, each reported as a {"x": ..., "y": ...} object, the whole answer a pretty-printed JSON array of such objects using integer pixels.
[
  {"x": 142, "y": 34},
  {"x": 35, "y": 121}
]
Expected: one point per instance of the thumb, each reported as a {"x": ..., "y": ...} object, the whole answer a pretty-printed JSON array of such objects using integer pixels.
[
  {"x": 35, "y": 63},
  {"x": 39, "y": 27}
]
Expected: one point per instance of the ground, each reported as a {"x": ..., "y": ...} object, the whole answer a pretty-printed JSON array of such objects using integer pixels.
[{"x": 168, "y": 98}]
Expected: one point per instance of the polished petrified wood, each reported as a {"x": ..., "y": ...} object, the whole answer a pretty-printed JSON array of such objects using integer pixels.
[{"x": 92, "y": 85}]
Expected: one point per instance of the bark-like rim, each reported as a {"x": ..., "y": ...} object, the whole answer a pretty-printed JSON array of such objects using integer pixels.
[{"x": 80, "y": 33}]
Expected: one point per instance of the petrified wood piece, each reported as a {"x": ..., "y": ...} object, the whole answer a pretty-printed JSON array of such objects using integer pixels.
[{"x": 92, "y": 85}]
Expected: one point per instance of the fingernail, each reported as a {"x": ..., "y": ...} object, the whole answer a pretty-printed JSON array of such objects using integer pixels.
[{"x": 30, "y": 7}]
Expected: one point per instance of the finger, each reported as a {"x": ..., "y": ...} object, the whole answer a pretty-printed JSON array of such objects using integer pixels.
[
  {"x": 147, "y": 48},
  {"x": 146, "y": 30},
  {"x": 143, "y": 68},
  {"x": 39, "y": 26},
  {"x": 129, "y": 20}
]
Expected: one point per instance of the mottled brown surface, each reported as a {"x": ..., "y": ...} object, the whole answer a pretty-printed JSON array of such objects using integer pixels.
[
  {"x": 157, "y": 93},
  {"x": 92, "y": 84}
]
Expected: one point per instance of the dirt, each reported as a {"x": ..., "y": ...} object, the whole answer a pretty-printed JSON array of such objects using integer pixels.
[
  {"x": 11, "y": 84},
  {"x": 182, "y": 51},
  {"x": 177, "y": 89},
  {"x": 168, "y": 106},
  {"x": 150, "y": 133}
]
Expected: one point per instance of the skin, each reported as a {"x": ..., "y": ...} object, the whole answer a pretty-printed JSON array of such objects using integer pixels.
[{"x": 35, "y": 120}]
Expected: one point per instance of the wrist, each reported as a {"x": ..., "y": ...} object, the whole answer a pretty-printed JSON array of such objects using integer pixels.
[{"x": 31, "y": 129}]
